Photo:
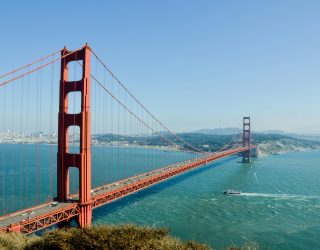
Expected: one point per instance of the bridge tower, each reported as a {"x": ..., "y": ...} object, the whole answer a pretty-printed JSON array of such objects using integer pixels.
[
  {"x": 82, "y": 160},
  {"x": 246, "y": 139}
]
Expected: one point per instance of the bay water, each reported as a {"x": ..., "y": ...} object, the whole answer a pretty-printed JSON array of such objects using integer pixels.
[{"x": 278, "y": 207}]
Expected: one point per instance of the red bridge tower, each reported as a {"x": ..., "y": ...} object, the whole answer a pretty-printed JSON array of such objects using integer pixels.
[
  {"x": 82, "y": 160},
  {"x": 246, "y": 139}
]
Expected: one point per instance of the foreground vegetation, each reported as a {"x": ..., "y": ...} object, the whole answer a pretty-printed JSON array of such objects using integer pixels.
[{"x": 104, "y": 237}]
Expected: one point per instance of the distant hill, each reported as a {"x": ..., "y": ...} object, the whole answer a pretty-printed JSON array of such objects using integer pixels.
[
  {"x": 232, "y": 131},
  {"x": 267, "y": 143},
  {"x": 297, "y": 136},
  {"x": 219, "y": 131},
  {"x": 278, "y": 132}
]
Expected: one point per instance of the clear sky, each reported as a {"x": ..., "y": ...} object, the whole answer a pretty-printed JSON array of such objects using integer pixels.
[{"x": 194, "y": 64}]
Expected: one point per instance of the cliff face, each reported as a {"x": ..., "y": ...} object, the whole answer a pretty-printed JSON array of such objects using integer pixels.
[{"x": 282, "y": 146}]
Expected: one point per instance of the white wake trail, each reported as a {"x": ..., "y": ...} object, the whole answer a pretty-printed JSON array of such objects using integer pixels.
[{"x": 280, "y": 196}]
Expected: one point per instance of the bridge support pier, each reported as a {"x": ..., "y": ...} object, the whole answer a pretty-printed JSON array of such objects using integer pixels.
[
  {"x": 246, "y": 140},
  {"x": 82, "y": 160}
]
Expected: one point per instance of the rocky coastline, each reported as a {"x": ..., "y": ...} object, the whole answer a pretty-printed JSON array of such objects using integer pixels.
[{"x": 282, "y": 146}]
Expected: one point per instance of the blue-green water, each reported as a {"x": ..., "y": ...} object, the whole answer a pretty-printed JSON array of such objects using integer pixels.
[{"x": 279, "y": 207}]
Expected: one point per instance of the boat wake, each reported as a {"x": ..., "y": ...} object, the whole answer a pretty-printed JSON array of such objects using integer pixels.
[
  {"x": 280, "y": 196},
  {"x": 256, "y": 178}
]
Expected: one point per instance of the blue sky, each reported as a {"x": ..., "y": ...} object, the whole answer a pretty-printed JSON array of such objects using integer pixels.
[{"x": 194, "y": 64}]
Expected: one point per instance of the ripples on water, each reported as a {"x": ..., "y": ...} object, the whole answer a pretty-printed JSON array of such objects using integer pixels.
[{"x": 278, "y": 207}]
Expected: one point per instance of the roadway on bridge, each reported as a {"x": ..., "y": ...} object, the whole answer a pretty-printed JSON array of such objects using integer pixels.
[{"x": 49, "y": 207}]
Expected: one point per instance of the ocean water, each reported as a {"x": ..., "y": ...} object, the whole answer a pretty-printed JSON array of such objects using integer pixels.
[{"x": 279, "y": 207}]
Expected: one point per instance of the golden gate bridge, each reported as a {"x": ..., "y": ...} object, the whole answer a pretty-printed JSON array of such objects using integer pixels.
[{"x": 108, "y": 145}]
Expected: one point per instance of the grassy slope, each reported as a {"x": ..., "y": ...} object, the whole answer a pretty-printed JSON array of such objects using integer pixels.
[{"x": 105, "y": 237}]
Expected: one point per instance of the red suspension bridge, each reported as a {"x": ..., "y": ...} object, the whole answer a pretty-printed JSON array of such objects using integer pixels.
[{"x": 109, "y": 144}]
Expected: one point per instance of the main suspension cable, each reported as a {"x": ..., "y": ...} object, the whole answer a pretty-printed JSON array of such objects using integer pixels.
[
  {"x": 37, "y": 68},
  {"x": 131, "y": 112},
  {"x": 30, "y": 64},
  {"x": 125, "y": 88}
]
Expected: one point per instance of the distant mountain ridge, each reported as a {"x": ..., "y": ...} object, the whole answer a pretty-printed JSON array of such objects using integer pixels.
[
  {"x": 219, "y": 131},
  {"x": 234, "y": 130},
  {"x": 231, "y": 131}
]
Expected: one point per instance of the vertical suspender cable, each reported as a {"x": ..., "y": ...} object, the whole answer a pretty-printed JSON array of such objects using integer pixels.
[
  {"x": 40, "y": 132},
  {"x": 36, "y": 134},
  {"x": 118, "y": 135},
  {"x": 3, "y": 149},
  {"x": 155, "y": 146},
  {"x": 124, "y": 135},
  {"x": 152, "y": 146},
  {"x": 145, "y": 149},
  {"x": 111, "y": 146},
  {"x": 27, "y": 146},
  {"x": 104, "y": 132},
  {"x": 21, "y": 106},
  {"x": 137, "y": 160},
  {"x": 131, "y": 143},
  {"x": 12, "y": 151},
  {"x": 140, "y": 144},
  {"x": 95, "y": 169},
  {"x": 98, "y": 111},
  {"x": 51, "y": 118}
]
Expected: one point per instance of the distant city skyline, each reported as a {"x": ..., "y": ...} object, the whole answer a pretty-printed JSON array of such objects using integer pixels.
[{"x": 196, "y": 64}]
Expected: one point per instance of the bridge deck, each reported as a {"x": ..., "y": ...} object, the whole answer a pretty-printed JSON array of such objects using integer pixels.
[{"x": 39, "y": 217}]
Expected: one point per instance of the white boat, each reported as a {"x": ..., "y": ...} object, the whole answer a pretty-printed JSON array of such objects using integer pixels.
[{"x": 231, "y": 192}]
